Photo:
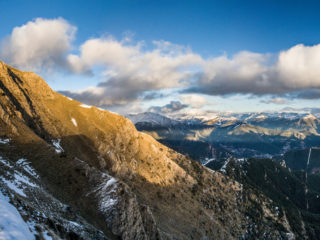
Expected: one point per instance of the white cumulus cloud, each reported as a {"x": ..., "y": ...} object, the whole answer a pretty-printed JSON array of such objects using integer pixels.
[
  {"x": 298, "y": 67},
  {"x": 295, "y": 69},
  {"x": 194, "y": 100},
  {"x": 39, "y": 44},
  {"x": 129, "y": 70}
]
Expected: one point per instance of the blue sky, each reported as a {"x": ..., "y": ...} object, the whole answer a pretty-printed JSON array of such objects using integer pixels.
[
  {"x": 209, "y": 27},
  {"x": 217, "y": 55}
]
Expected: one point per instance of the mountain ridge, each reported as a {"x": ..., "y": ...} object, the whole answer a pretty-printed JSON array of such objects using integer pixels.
[
  {"x": 121, "y": 182},
  {"x": 242, "y": 135}
]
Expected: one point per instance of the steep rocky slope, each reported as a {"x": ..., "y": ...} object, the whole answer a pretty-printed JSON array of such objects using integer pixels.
[
  {"x": 77, "y": 172},
  {"x": 294, "y": 193}
]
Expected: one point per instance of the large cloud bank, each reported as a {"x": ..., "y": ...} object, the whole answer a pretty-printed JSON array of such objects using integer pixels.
[
  {"x": 131, "y": 71},
  {"x": 293, "y": 70},
  {"x": 39, "y": 44}
]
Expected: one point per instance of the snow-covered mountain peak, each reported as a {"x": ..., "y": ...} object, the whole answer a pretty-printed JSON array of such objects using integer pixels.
[
  {"x": 153, "y": 118},
  {"x": 310, "y": 116}
]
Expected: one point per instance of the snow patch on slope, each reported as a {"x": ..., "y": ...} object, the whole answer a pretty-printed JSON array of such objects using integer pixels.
[
  {"x": 16, "y": 181},
  {"x": 24, "y": 164},
  {"x": 85, "y": 106},
  {"x": 21, "y": 179},
  {"x": 13, "y": 186},
  {"x": 5, "y": 162},
  {"x": 74, "y": 122},
  {"x": 224, "y": 167},
  {"x": 106, "y": 193},
  {"x": 206, "y": 161},
  {"x": 12, "y": 225},
  {"x": 57, "y": 146},
  {"x": 4, "y": 141}
]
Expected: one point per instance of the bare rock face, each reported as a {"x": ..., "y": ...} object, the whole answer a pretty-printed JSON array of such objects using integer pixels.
[
  {"x": 119, "y": 183},
  {"x": 118, "y": 205}
]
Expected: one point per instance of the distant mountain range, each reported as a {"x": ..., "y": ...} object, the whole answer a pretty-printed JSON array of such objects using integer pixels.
[
  {"x": 239, "y": 135},
  {"x": 276, "y": 154}
]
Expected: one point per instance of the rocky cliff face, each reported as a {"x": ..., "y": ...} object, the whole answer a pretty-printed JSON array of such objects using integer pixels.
[{"x": 77, "y": 172}]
